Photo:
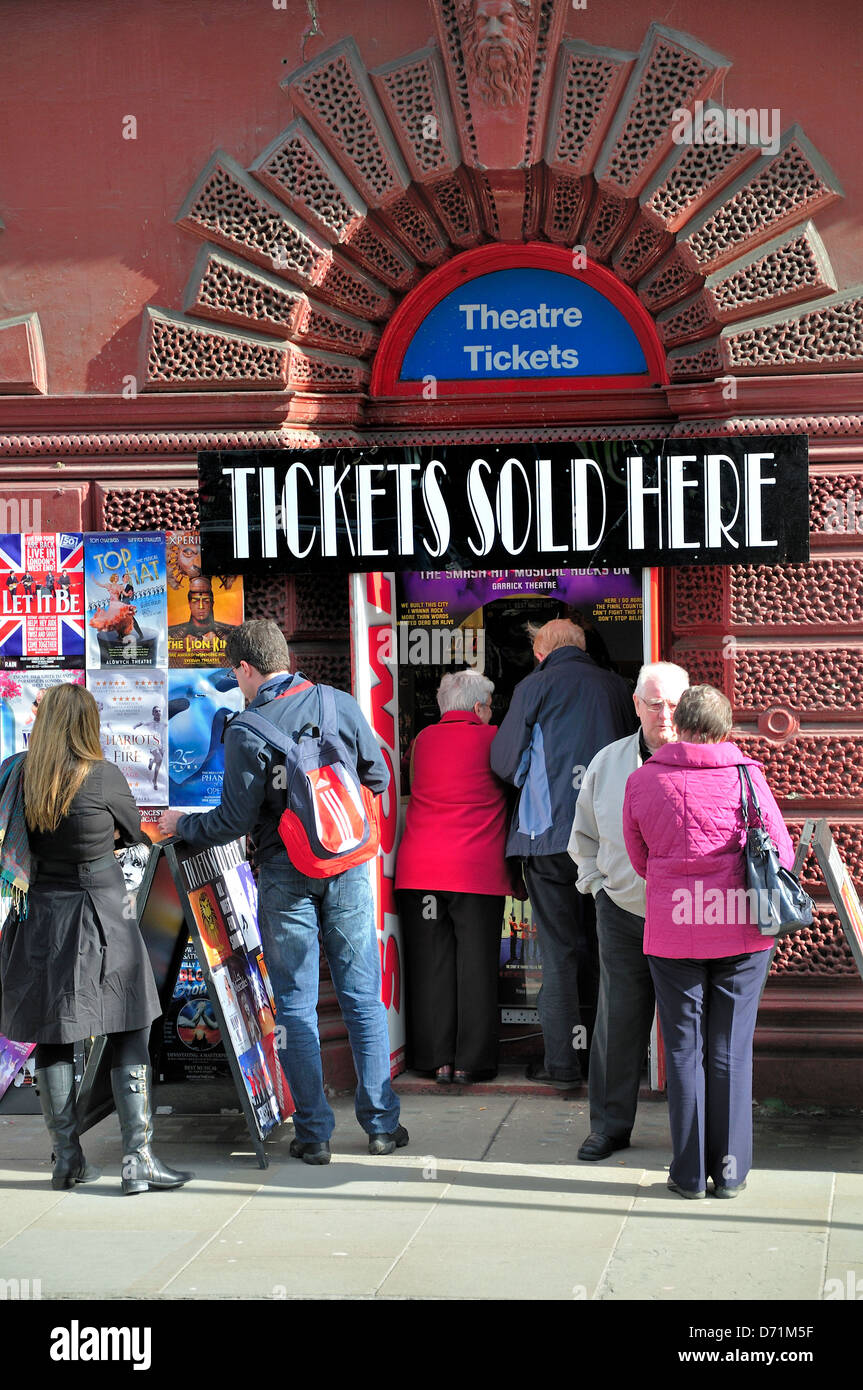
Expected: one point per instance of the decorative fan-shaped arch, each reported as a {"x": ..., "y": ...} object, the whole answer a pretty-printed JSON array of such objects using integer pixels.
[{"x": 383, "y": 176}]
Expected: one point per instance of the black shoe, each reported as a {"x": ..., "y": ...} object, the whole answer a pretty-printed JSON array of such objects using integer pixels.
[
  {"x": 468, "y": 1078},
  {"x": 386, "y": 1143},
  {"x": 684, "y": 1191},
  {"x": 721, "y": 1190},
  {"x": 536, "y": 1072},
  {"x": 443, "y": 1075},
  {"x": 602, "y": 1146},
  {"x": 310, "y": 1151}
]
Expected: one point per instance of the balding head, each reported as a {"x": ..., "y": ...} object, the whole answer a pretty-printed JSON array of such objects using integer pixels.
[{"x": 560, "y": 632}]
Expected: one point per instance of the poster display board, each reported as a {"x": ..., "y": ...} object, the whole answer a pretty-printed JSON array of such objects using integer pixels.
[
  {"x": 840, "y": 885},
  {"x": 13, "y": 1057},
  {"x": 94, "y": 608},
  {"x": 206, "y": 900},
  {"x": 219, "y": 900}
]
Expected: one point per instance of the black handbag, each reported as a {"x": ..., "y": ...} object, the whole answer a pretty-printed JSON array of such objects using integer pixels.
[{"x": 782, "y": 906}]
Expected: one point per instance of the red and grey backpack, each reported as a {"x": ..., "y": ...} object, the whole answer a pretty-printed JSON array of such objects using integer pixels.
[{"x": 330, "y": 822}]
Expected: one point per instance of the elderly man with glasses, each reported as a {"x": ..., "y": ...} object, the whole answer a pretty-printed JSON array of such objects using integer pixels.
[{"x": 626, "y": 999}]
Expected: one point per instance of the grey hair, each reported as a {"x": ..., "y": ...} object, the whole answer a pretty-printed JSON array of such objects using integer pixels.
[
  {"x": 703, "y": 715},
  {"x": 664, "y": 671},
  {"x": 463, "y": 690}
]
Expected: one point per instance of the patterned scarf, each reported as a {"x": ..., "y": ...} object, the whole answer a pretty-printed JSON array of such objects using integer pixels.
[{"x": 14, "y": 844}]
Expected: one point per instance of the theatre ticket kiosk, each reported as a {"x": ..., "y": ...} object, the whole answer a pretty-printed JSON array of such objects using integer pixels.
[
  {"x": 453, "y": 547},
  {"x": 559, "y": 528}
]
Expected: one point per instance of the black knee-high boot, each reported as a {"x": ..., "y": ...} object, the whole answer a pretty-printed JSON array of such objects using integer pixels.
[
  {"x": 141, "y": 1168},
  {"x": 56, "y": 1087}
]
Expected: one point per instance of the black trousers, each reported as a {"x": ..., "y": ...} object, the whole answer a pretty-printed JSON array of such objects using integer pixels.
[
  {"x": 452, "y": 941},
  {"x": 623, "y": 1020},
  {"x": 565, "y": 921}
]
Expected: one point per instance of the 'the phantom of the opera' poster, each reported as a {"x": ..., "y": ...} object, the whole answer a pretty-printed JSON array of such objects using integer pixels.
[{"x": 199, "y": 705}]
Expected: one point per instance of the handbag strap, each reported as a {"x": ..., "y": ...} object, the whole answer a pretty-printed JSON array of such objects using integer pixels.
[{"x": 746, "y": 786}]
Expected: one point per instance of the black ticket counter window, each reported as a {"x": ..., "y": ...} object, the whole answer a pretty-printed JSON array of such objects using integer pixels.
[{"x": 481, "y": 620}]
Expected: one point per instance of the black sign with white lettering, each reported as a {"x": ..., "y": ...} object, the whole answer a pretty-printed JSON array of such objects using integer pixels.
[{"x": 621, "y": 503}]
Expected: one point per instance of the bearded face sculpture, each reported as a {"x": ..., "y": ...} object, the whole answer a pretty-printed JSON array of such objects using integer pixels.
[{"x": 497, "y": 38}]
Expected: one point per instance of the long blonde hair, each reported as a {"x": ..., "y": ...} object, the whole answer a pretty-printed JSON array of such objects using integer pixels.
[{"x": 63, "y": 746}]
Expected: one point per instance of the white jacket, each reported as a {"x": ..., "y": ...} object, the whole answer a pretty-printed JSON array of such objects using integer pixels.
[{"x": 596, "y": 843}]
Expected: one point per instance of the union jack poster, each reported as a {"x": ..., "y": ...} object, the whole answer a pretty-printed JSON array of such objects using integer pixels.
[{"x": 41, "y": 600}]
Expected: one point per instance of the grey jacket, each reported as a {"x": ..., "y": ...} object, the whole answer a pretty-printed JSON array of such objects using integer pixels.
[{"x": 596, "y": 843}]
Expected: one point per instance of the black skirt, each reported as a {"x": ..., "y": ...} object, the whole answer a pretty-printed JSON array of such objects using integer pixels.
[{"x": 75, "y": 966}]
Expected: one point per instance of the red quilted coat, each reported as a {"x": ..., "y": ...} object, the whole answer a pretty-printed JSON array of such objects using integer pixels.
[{"x": 684, "y": 834}]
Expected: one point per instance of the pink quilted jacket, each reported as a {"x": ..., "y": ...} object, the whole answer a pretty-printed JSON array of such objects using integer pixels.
[{"x": 684, "y": 833}]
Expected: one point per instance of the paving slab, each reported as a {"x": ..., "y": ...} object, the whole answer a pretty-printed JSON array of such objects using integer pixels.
[{"x": 769, "y": 1243}]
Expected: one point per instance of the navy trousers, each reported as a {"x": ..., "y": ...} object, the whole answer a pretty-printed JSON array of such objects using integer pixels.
[
  {"x": 707, "y": 1010},
  {"x": 565, "y": 923}
]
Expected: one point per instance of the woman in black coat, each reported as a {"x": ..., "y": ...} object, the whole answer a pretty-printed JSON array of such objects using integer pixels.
[{"x": 72, "y": 960}]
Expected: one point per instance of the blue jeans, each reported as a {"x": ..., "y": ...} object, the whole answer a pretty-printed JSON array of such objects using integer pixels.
[{"x": 291, "y": 908}]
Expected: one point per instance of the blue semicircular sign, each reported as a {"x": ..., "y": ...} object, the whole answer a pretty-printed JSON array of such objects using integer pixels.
[{"x": 526, "y": 323}]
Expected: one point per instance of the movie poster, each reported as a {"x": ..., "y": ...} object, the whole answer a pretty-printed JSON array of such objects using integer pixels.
[
  {"x": 200, "y": 702},
  {"x": 201, "y": 609},
  {"x": 134, "y": 729},
  {"x": 125, "y": 589},
  {"x": 41, "y": 600},
  {"x": 520, "y": 964},
  {"x": 20, "y": 693}
]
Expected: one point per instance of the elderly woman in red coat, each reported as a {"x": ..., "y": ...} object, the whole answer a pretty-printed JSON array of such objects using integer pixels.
[{"x": 451, "y": 880}]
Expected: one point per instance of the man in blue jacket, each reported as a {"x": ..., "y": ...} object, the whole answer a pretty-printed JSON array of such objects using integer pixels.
[
  {"x": 292, "y": 907},
  {"x": 559, "y": 718}
]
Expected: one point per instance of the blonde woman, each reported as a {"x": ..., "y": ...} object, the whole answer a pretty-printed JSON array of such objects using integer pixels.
[{"x": 72, "y": 960}]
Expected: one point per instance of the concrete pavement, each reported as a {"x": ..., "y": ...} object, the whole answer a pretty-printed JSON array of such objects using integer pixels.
[{"x": 487, "y": 1202}]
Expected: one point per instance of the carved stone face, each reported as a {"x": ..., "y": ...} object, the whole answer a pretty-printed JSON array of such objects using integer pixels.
[{"x": 497, "y": 37}]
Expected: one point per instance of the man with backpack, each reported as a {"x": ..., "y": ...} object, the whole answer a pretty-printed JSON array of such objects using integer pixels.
[{"x": 265, "y": 767}]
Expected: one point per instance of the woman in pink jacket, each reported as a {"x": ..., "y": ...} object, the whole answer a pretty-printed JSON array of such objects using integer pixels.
[
  {"x": 684, "y": 832},
  {"x": 451, "y": 880}
]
